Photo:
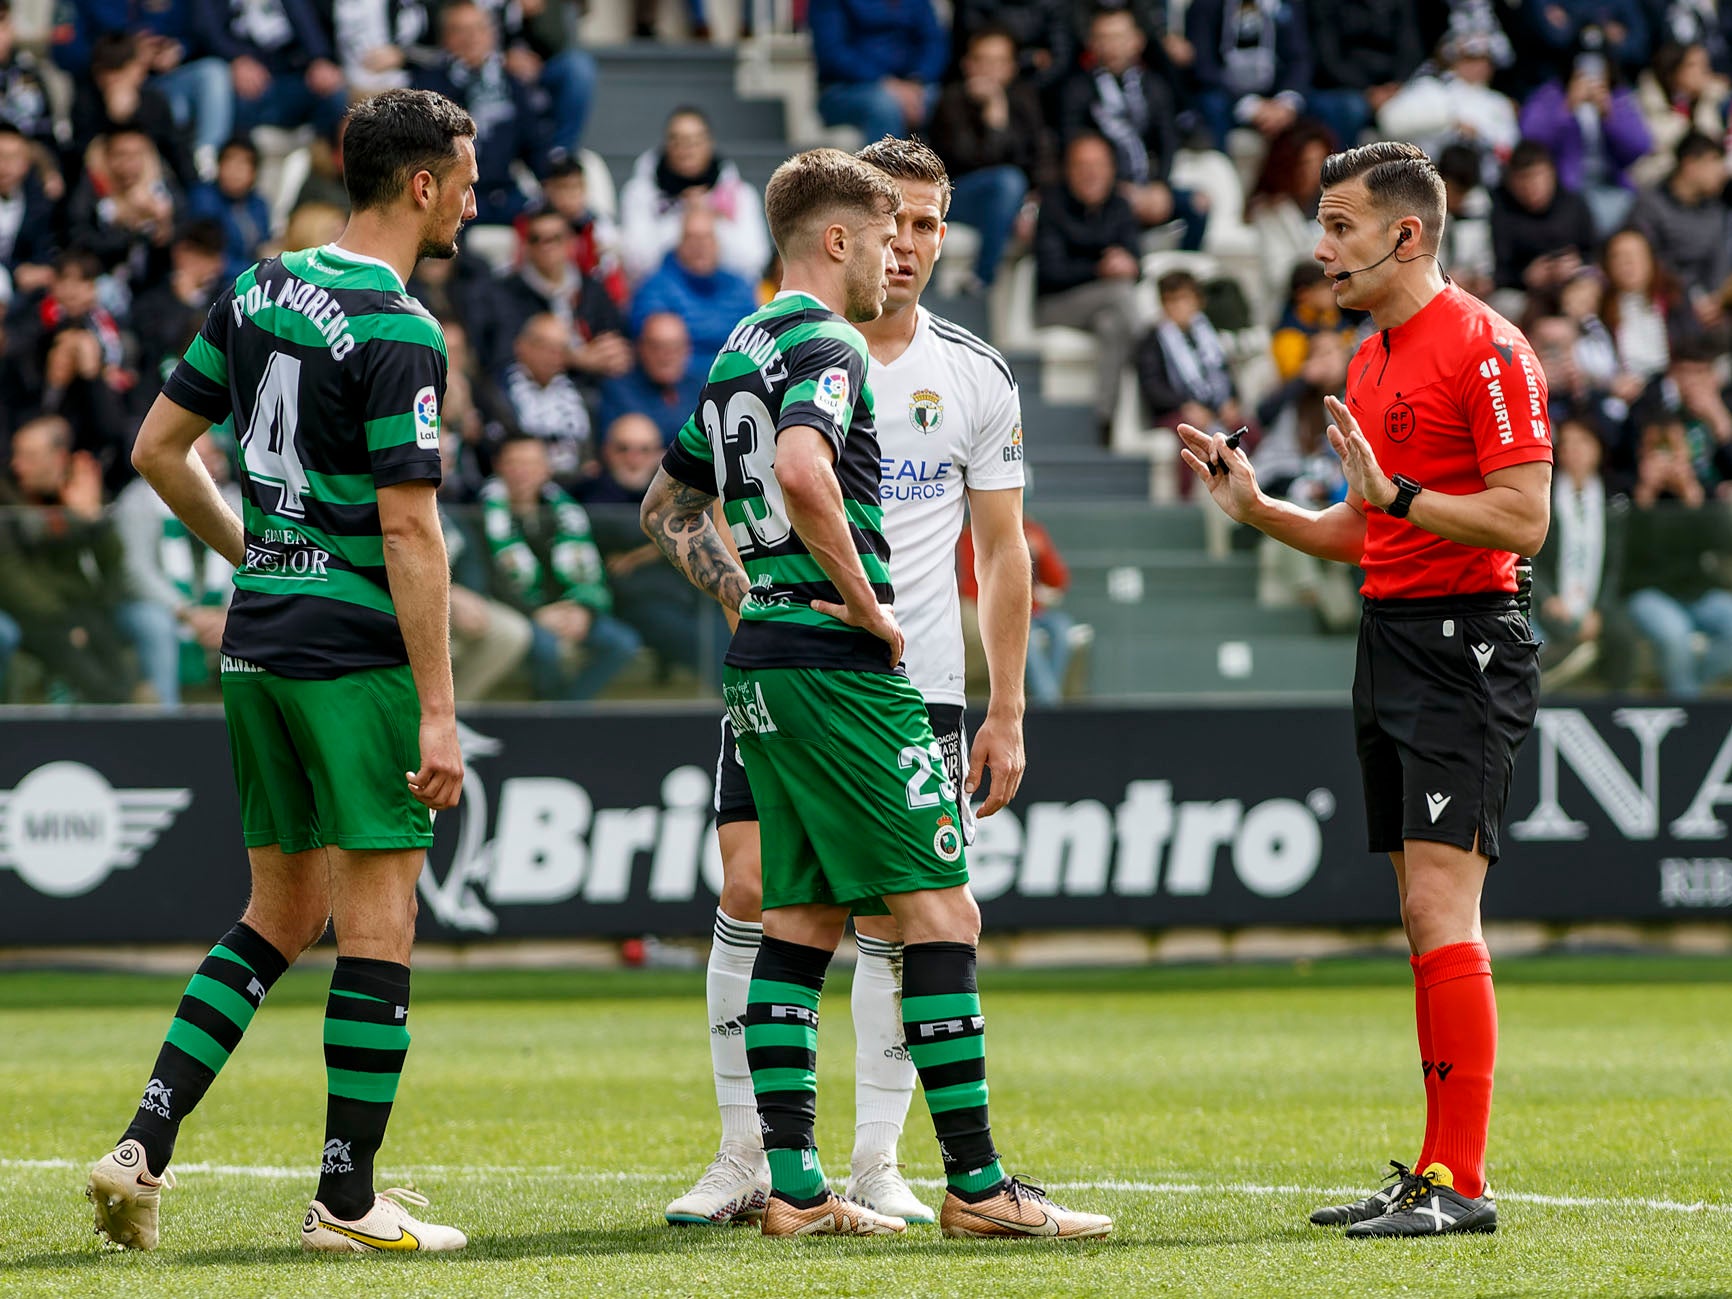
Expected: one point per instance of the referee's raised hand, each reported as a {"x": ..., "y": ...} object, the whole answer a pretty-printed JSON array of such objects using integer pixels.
[
  {"x": 1235, "y": 488},
  {"x": 1358, "y": 460}
]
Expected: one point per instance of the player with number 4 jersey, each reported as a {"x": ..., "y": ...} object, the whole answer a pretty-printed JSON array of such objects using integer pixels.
[{"x": 336, "y": 669}]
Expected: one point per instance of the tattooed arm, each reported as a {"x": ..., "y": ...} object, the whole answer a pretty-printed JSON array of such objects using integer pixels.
[{"x": 677, "y": 518}]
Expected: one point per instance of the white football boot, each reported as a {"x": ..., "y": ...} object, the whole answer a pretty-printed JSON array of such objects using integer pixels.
[
  {"x": 386, "y": 1227},
  {"x": 881, "y": 1187},
  {"x": 125, "y": 1197},
  {"x": 735, "y": 1187}
]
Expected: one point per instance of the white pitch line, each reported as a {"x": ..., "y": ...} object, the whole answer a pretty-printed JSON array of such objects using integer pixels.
[{"x": 558, "y": 1172}]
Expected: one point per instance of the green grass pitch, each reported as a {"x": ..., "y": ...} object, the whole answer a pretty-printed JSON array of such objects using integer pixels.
[{"x": 552, "y": 1115}]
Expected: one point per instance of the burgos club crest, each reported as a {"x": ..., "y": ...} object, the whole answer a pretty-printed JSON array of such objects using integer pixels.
[{"x": 926, "y": 410}]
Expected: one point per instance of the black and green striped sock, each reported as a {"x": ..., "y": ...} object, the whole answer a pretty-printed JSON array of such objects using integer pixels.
[
  {"x": 214, "y": 1012},
  {"x": 782, "y": 1051},
  {"x": 366, "y": 1038},
  {"x": 946, "y": 1035}
]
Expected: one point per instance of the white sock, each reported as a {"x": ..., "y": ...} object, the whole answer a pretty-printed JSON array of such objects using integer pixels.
[
  {"x": 732, "y": 955},
  {"x": 883, "y": 1073}
]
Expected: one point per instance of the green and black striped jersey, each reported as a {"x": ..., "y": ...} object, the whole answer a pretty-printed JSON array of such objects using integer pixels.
[
  {"x": 793, "y": 362},
  {"x": 335, "y": 378}
]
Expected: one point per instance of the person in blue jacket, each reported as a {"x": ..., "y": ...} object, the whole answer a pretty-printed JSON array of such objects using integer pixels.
[{"x": 880, "y": 63}]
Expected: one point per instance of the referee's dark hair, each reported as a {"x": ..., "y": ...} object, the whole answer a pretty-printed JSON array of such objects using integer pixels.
[
  {"x": 393, "y": 136},
  {"x": 910, "y": 160},
  {"x": 1401, "y": 179}
]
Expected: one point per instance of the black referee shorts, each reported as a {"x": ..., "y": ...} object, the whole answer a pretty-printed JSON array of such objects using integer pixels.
[
  {"x": 734, "y": 794},
  {"x": 1443, "y": 696}
]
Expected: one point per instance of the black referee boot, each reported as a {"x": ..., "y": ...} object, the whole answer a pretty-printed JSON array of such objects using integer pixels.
[
  {"x": 1431, "y": 1208},
  {"x": 1375, "y": 1205}
]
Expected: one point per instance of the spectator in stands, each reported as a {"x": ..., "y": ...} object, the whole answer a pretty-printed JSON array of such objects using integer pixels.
[
  {"x": 663, "y": 385},
  {"x": 1549, "y": 36},
  {"x": 1311, "y": 310},
  {"x": 596, "y": 250},
  {"x": 64, "y": 579},
  {"x": 1294, "y": 462},
  {"x": 1579, "y": 616},
  {"x": 1182, "y": 367},
  {"x": 694, "y": 285},
  {"x": 1581, "y": 300},
  {"x": 1452, "y": 101},
  {"x": 545, "y": 398},
  {"x": 1253, "y": 65},
  {"x": 70, "y": 356},
  {"x": 1680, "y": 94},
  {"x": 538, "y": 38},
  {"x": 1541, "y": 233},
  {"x": 1689, "y": 395},
  {"x": 166, "y": 316},
  {"x": 990, "y": 131},
  {"x": 643, "y": 25},
  {"x": 116, "y": 98},
  {"x": 1677, "y": 566},
  {"x": 178, "y": 59},
  {"x": 489, "y": 638},
  {"x": 1282, "y": 205},
  {"x": 28, "y": 231},
  {"x": 510, "y": 127},
  {"x": 1689, "y": 225},
  {"x": 545, "y": 565},
  {"x": 181, "y": 586},
  {"x": 879, "y": 63},
  {"x": 1573, "y": 392},
  {"x": 1644, "y": 305},
  {"x": 684, "y": 628},
  {"x": 279, "y": 57},
  {"x": 547, "y": 281},
  {"x": 382, "y": 43},
  {"x": 1118, "y": 97},
  {"x": 1593, "y": 127},
  {"x": 311, "y": 225},
  {"x": 324, "y": 182},
  {"x": 24, "y": 101},
  {"x": 1044, "y": 33},
  {"x": 1363, "y": 50},
  {"x": 477, "y": 417},
  {"x": 125, "y": 207},
  {"x": 1086, "y": 267},
  {"x": 1050, "y": 627},
  {"x": 683, "y": 172},
  {"x": 1466, "y": 245},
  {"x": 233, "y": 201},
  {"x": 462, "y": 288}
]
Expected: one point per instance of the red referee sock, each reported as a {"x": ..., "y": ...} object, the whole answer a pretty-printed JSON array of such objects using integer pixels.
[
  {"x": 1463, "y": 1012},
  {"x": 1422, "y": 1020}
]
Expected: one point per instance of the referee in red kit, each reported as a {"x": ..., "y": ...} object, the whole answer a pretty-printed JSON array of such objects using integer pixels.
[{"x": 1447, "y": 452}]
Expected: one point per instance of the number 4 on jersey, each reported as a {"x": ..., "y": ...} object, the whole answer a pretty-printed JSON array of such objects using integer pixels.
[{"x": 268, "y": 445}]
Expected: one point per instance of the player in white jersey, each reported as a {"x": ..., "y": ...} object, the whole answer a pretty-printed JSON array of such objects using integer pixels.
[{"x": 949, "y": 424}]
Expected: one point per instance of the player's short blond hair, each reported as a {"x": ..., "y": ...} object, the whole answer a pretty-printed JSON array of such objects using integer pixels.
[{"x": 811, "y": 188}]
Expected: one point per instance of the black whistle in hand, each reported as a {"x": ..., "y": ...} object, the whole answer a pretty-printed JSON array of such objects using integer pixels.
[{"x": 1215, "y": 466}]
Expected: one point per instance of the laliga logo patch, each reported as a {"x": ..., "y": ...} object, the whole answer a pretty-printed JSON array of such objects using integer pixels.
[
  {"x": 947, "y": 842},
  {"x": 833, "y": 391},
  {"x": 926, "y": 410},
  {"x": 427, "y": 419}
]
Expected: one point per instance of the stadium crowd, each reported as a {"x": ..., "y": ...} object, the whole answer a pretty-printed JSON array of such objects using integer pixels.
[{"x": 1584, "y": 144}]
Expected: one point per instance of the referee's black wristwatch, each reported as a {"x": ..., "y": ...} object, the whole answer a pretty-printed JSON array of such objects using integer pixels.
[{"x": 1405, "y": 490}]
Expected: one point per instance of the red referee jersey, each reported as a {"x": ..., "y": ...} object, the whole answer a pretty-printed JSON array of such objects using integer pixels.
[{"x": 1446, "y": 398}]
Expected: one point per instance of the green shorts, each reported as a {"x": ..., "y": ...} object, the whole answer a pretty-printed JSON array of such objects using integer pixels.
[
  {"x": 853, "y": 800},
  {"x": 323, "y": 762}
]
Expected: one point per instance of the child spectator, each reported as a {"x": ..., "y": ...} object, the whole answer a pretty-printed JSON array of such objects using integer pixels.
[
  {"x": 233, "y": 201},
  {"x": 1182, "y": 367},
  {"x": 1311, "y": 310},
  {"x": 1579, "y": 616},
  {"x": 596, "y": 246}
]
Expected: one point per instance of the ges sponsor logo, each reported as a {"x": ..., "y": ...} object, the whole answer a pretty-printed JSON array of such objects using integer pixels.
[{"x": 1014, "y": 450}]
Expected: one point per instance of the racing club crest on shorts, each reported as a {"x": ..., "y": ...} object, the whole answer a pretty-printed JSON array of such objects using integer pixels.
[
  {"x": 947, "y": 842},
  {"x": 926, "y": 410}
]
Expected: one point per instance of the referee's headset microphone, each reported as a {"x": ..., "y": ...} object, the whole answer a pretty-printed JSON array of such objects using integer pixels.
[{"x": 1341, "y": 277}]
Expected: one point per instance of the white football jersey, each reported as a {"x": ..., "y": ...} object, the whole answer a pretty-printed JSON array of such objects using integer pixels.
[{"x": 949, "y": 418}]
